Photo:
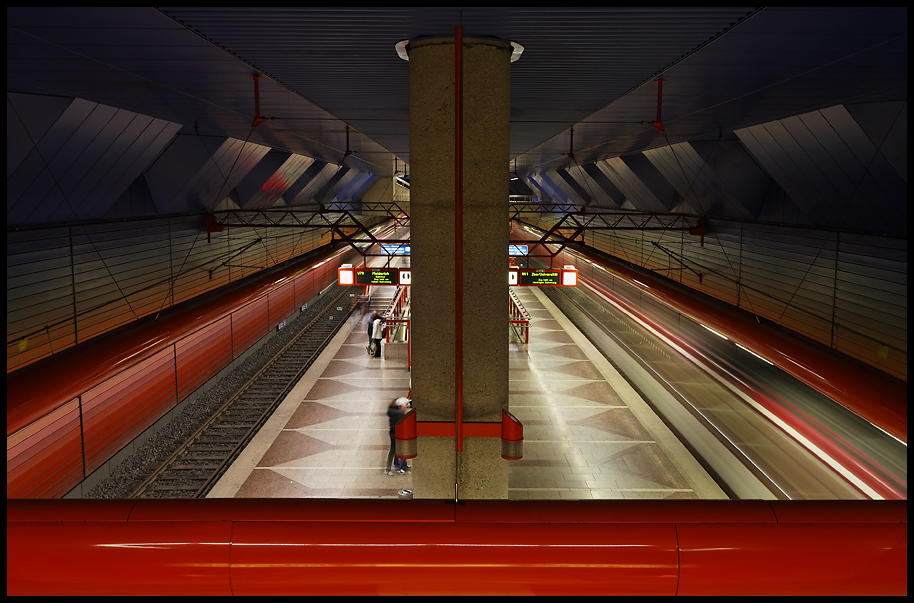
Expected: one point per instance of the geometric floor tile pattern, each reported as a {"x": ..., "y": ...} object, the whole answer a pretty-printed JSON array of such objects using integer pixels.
[{"x": 585, "y": 436}]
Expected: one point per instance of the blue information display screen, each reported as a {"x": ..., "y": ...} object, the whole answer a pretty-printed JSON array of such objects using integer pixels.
[
  {"x": 517, "y": 250},
  {"x": 395, "y": 248}
]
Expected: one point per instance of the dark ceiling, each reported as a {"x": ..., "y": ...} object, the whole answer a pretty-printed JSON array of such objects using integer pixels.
[{"x": 726, "y": 71}]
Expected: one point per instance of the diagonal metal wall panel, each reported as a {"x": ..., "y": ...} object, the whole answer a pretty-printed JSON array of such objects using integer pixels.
[
  {"x": 337, "y": 183},
  {"x": 831, "y": 170},
  {"x": 84, "y": 163},
  {"x": 175, "y": 167},
  {"x": 698, "y": 184},
  {"x": 643, "y": 186},
  {"x": 28, "y": 118},
  {"x": 539, "y": 192},
  {"x": 606, "y": 193},
  {"x": 583, "y": 179},
  {"x": 571, "y": 186},
  {"x": 357, "y": 184},
  {"x": 681, "y": 166},
  {"x": 886, "y": 124},
  {"x": 33, "y": 181},
  {"x": 879, "y": 190},
  {"x": 743, "y": 182},
  {"x": 216, "y": 178},
  {"x": 322, "y": 173},
  {"x": 257, "y": 187},
  {"x": 549, "y": 188},
  {"x": 269, "y": 180}
]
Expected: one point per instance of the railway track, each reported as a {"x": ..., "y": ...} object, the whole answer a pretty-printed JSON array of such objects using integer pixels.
[{"x": 193, "y": 469}]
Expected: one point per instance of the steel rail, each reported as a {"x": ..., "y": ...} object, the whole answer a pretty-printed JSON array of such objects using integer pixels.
[{"x": 167, "y": 465}]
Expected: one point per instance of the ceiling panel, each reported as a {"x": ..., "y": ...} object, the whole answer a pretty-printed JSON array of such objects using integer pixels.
[{"x": 323, "y": 68}]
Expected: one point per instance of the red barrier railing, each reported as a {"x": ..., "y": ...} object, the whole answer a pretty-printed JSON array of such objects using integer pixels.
[
  {"x": 359, "y": 547},
  {"x": 395, "y": 312},
  {"x": 518, "y": 315}
]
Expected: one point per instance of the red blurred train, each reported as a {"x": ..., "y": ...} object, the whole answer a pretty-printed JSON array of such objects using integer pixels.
[
  {"x": 876, "y": 396},
  {"x": 68, "y": 414}
]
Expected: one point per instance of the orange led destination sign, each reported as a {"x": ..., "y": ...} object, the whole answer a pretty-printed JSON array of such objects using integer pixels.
[{"x": 541, "y": 278}]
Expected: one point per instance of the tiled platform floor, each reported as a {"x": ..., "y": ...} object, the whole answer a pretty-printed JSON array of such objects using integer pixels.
[{"x": 586, "y": 432}]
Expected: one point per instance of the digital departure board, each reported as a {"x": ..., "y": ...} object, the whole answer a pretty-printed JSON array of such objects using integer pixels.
[
  {"x": 395, "y": 248},
  {"x": 377, "y": 276},
  {"x": 549, "y": 278}
]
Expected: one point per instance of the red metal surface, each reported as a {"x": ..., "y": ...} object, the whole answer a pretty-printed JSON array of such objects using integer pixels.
[
  {"x": 406, "y": 427},
  {"x": 39, "y": 388},
  {"x": 117, "y": 411},
  {"x": 201, "y": 355},
  {"x": 257, "y": 117},
  {"x": 838, "y": 559},
  {"x": 659, "y": 124},
  {"x": 45, "y": 459},
  {"x": 314, "y": 546},
  {"x": 139, "y": 558},
  {"x": 512, "y": 430},
  {"x": 248, "y": 325},
  {"x": 124, "y": 381},
  {"x": 281, "y": 305},
  {"x": 449, "y": 558}
]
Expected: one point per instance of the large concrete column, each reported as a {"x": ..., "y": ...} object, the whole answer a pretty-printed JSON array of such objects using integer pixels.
[{"x": 479, "y": 469}]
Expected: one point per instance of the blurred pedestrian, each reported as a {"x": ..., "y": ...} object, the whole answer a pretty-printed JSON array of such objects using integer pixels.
[
  {"x": 377, "y": 334},
  {"x": 371, "y": 320},
  {"x": 395, "y": 412}
]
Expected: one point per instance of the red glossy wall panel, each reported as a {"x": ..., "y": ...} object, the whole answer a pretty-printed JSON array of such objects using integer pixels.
[
  {"x": 248, "y": 325},
  {"x": 801, "y": 559},
  {"x": 304, "y": 289},
  {"x": 128, "y": 379},
  {"x": 313, "y": 546},
  {"x": 44, "y": 460},
  {"x": 282, "y": 303},
  {"x": 617, "y": 511},
  {"x": 121, "y": 408},
  {"x": 446, "y": 559},
  {"x": 201, "y": 355},
  {"x": 137, "y": 558}
]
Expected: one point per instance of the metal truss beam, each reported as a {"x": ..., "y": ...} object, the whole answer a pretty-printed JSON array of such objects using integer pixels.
[
  {"x": 581, "y": 221},
  {"x": 337, "y": 218}
]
